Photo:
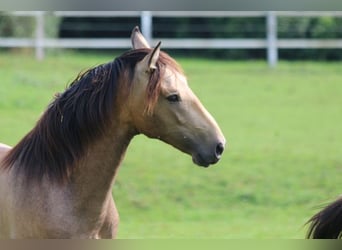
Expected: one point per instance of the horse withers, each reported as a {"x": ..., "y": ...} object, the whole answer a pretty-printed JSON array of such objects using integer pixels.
[{"x": 57, "y": 181}]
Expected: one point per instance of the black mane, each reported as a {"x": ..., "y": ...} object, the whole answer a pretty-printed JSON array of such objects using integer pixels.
[{"x": 77, "y": 117}]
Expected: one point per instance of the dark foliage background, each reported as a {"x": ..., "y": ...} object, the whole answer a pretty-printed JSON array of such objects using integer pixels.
[{"x": 195, "y": 27}]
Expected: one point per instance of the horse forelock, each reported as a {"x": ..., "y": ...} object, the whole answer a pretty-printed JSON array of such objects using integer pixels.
[
  {"x": 156, "y": 76},
  {"x": 80, "y": 115}
]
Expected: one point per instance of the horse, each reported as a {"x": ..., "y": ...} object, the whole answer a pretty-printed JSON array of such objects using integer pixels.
[
  {"x": 327, "y": 223},
  {"x": 56, "y": 182}
]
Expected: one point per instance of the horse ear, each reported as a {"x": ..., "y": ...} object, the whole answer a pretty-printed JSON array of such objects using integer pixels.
[
  {"x": 138, "y": 40},
  {"x": 150, "y": 60}
]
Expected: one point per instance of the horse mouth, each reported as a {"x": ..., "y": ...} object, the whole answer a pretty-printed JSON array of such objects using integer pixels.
[{"x": 202, "y": 162}]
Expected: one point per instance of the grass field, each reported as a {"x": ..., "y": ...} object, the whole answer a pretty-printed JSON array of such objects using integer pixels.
[{"x": 284, "y": 155}]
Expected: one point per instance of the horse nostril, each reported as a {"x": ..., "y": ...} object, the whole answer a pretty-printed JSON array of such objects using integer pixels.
[{"x": 219, "y": 150}]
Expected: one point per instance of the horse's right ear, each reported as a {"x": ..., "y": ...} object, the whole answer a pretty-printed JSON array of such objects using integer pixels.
[
  {"x": 138, "y": 40},
  {"x": 149, "y": 62}
]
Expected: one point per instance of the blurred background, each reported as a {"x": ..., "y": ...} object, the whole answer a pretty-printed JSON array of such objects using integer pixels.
[
  {"x": 216, "y": 34},
  {"x": 272, "y": 80}
]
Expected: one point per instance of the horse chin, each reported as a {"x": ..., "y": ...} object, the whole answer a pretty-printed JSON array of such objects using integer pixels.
[
  {"x": 204, "y": 160},
  {"x": 199, "y": 161}
]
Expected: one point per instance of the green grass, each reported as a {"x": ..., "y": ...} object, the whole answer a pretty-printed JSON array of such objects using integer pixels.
[{"x": 284, "y": 155}]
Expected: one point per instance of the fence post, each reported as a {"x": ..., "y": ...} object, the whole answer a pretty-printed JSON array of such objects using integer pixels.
[
  {"x": 39, "y": 42},
  {"x": 272, "y": 50},
  {"x": 146, "y": 25}
]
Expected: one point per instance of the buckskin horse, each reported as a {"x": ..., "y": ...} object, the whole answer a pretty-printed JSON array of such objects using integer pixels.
[{"x": 57, "y": 181}]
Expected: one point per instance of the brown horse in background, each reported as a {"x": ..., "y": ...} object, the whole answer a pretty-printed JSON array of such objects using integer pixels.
[
  {"x": 57, "y": 181},
  {"x": 327, "y": 223}
]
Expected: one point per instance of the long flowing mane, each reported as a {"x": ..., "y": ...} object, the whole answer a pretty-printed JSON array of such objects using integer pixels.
[{"x": 78, "y": 116}]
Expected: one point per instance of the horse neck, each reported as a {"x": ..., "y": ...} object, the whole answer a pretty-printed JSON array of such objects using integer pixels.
[
  {"x": 95, "y": 175},
  {"x": 92, "y": 181}
]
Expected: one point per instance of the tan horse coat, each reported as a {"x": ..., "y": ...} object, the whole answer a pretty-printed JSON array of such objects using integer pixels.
[{"x": 83, "y": 206}]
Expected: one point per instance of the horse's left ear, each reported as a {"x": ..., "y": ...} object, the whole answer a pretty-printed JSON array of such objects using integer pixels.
[
  {"x": 138, "y": 40},
  {"x": 150, "y": 60}
]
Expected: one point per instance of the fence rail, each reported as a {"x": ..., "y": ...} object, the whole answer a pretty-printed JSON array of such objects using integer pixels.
[{"x": 271, "y": 43}]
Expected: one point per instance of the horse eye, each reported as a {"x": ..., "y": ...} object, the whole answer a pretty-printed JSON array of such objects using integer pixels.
[{"x": 173, "y": 98}]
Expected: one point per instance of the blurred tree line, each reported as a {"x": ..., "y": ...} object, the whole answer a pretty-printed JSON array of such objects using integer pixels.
[
  {"x": 24, "y": 26},
  {"x": 182, "y": 27},
  {"x": 15, "y": 26}
]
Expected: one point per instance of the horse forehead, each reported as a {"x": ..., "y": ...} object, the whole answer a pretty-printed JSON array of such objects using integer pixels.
[{"x": 174, "y": 79}]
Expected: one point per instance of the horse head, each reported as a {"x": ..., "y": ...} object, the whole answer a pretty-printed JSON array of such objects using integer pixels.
[{"x": 164, "y": 107}]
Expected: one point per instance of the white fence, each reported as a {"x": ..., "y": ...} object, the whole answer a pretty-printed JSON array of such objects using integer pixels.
[{"x": 271, "y": 43}]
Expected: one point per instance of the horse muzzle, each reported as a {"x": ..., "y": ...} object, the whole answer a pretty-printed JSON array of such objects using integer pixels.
[{"x": 213, "y": 156}]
